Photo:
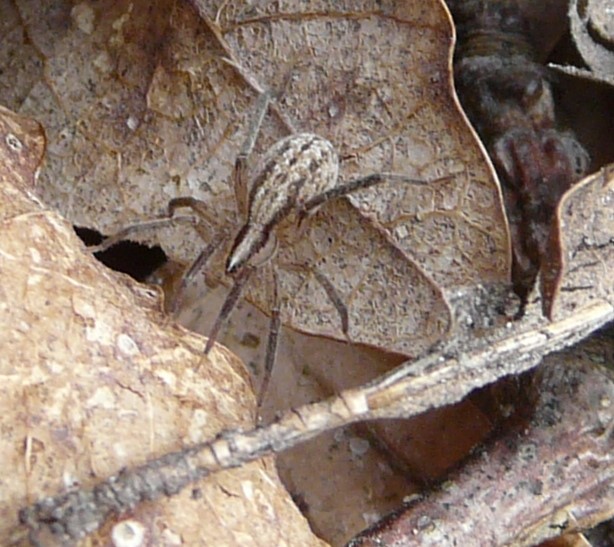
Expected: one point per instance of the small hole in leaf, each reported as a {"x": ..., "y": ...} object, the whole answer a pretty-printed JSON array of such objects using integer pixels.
[
  {"x": 135, "y": 259},
  {"x": 13, "y": 142}
]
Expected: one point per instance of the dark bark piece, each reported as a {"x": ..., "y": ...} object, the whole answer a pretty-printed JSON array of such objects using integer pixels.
[
  {"x": 508, "y": 97},
  {"x": 554, "y": 476}
]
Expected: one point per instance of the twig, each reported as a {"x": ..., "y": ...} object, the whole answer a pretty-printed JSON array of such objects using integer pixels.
[
  {"x": 436, "y": 380},
  {"x": 550, "y": 474}
]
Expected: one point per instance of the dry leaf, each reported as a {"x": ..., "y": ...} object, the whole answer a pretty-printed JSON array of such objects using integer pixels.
[
  {"x": 95, "y": 379},
  {"x": 142, "y": 105},
  {"x": 593, "y": 35},
  {"x": 579, "y": 267},
  {"x": 21, "y": 148}
]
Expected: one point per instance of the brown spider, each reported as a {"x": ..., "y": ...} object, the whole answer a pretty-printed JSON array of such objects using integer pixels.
[{"x": 299, "y": 174}]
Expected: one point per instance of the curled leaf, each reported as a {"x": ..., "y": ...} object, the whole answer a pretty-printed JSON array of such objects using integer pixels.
[
  {"x": 510, "y": 101},
  {"x": 593, "y": 34},
  {"x": 579, "y": 266}
]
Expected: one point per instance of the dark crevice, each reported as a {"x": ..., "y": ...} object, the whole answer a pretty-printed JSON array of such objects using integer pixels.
[{"x": 135, "y": 259}]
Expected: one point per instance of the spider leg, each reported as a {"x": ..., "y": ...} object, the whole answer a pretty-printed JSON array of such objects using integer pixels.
[
  {"x": 200, "y": 208},
  {"x": 253, "y": 129},
  {"x": 188, "y": 274},
  {"x": 240, "y": 280},
  {"x": 330, "y": 291},
  {"x": 272, "y": 342},
  {"x": 144, "y": 226},
  {"x": 343, "y": 189},
  {"x": 201, "y": 211},
  {"x": 360, "y": 184}
]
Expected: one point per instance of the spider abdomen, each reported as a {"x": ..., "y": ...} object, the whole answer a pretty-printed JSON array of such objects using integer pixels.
[{"x": 295, "y": 170}]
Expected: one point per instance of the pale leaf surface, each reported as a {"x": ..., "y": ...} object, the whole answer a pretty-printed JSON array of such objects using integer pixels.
[{"x": 95, "y": 379}]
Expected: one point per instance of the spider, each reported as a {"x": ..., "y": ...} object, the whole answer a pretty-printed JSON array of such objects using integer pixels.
[{"x": 299, "y": 174}]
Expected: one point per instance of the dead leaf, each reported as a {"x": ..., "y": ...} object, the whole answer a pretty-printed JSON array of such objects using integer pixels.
[
  {"x": 21, "y": 149},
  {"x": 95, "y": 379},
  {"x": 581, "y": 254},
  {"x": 142, "y": 105},
  {"x": 593, "y": 35}
]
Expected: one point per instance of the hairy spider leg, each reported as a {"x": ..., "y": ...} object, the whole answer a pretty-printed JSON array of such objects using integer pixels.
[
  {"x": 360, "y": 184},
  {"x": 142, "y": 226},
  {"x": 202, "y": 213},
  {"x": 334, "y": 297},
  {"x": 240, "y": 279},
  {"x": 272, "y": 342},
  {"x": 200, "y": 207},
  {"x": 201, "y": 210},
  {"x": 240, "y": 179},
  {"x": 241, "y": 195},
  {"x": 188, "y": 274}
]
